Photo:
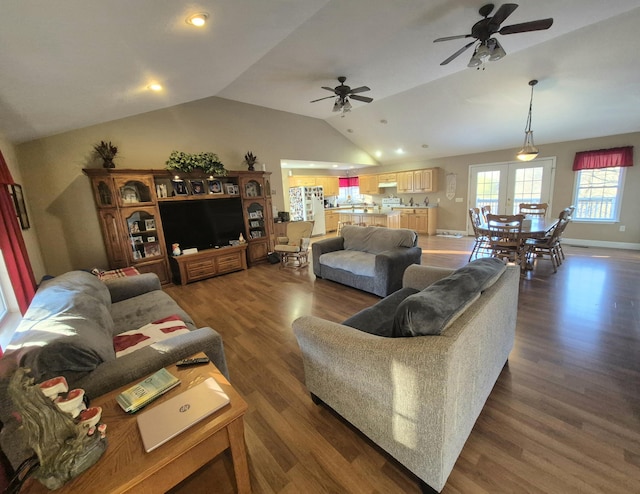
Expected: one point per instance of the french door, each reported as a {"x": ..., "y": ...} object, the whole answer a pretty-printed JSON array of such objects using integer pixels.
[{"x": 503, "y": 186}]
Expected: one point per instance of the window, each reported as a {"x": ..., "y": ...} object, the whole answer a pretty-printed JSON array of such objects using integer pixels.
[
  {"x": 598, "y": 194},
  {"x": 349, "y": 190},
  {"x": 9, "y": 314}
]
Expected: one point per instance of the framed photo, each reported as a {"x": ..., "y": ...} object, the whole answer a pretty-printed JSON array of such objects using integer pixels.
[
  {"x": 236, "y": 190},
  {"x": 179, "y": 188},
  {"x": 150, "y": 224},
  {"x": 151, "y": 239},
  {"x": 21, "y": 207},
  {"x": 253, "y": 215},
  {"x": 231, "y": 189},
  {"x": 151, "y": 249},
  {"x": 215, "y": 187},
  {"x": 137, "y": 239},
  {"x": 255, "y": 224},
  {"x": 197, "y": 187},
  {"x": 134, "y": 227}
]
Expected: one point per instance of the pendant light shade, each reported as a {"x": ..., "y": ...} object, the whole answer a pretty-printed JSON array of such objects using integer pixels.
[{"x": 529, "y": 151}]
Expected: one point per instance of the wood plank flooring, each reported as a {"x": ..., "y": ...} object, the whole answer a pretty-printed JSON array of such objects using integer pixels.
[{"x": 564, "y": 416}]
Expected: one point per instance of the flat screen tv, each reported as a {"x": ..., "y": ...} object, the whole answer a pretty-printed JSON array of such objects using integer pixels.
[{"x": 204, "y": 224}]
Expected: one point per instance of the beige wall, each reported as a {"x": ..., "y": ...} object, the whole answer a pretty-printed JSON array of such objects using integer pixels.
[
  {"x": 60, "y": 194},
  {"x": 452, "y": 215},
  {"x": 30, "y": 235}
]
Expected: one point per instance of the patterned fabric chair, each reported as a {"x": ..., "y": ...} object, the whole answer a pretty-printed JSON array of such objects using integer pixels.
[{"x": 294, "y": 248}]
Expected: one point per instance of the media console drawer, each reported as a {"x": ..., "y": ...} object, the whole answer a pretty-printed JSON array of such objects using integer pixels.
[{"x": 209, "y": 263}]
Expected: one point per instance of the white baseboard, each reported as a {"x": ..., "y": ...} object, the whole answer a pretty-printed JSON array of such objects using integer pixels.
[
  {"x": 578, "y": 242},
  {"x": 456, "y": 233}
]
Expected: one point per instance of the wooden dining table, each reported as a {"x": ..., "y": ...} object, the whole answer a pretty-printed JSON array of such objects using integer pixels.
[{"x": 537, "y": 227}]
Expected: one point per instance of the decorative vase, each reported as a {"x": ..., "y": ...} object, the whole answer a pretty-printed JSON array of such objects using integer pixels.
[
  {"x": 251, "y": 167},
  {"x": 108, "y": 163}
]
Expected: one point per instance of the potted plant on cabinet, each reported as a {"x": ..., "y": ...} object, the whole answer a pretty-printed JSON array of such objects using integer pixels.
[
  {"x": 250, "y": 159},
  {"x": 107, "y": 152},
  {"x": 207, "y": 162}
]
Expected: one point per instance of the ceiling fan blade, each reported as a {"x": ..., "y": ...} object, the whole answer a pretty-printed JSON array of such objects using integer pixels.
[
  {"x": 320, "y": 99},
  {"x": 329, "y": 89},
  {"x": 459, "y": 52},
  {"x": 360, "y": 89},
  {"x": 357, "y": 97},
  {"x": 447, "y": 38},
  {"x": 505, "y": 10},
  {"x": 538, "y": 25}
]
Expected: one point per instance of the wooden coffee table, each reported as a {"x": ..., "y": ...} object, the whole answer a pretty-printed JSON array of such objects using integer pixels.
[{"x": 126, "y": 467}]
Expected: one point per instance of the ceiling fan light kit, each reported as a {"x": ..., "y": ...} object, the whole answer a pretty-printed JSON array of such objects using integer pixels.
[
  {"x": 488, "y": 47},
  {"x": 529, "y": 151},
  {"x": 343, "y": 93}
]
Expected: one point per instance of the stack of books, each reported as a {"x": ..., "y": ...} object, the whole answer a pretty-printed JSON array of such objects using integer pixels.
[{"x": 136, "y": 397}]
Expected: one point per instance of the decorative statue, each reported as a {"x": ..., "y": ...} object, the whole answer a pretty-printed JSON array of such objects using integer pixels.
[
  {"x": 65, "y": 446},
  {"x": 175, "y": 249}
]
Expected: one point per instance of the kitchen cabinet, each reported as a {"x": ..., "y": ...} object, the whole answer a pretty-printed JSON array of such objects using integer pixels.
[
  {"x": 330, "y": 185},
  {"x": 302, "y": 181},
  {"x": 423, "y": 181},
  {"x": 422, "y": 220},
  {"x": 368, "y": 184},
  {"x": 331, "y": 219},
  {"x": 387, "y": 178}
]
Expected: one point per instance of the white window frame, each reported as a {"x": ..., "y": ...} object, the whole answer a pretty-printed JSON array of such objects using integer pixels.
[
  {"x": 616, "y": 205},
  {"x": 11, "y": 317}
]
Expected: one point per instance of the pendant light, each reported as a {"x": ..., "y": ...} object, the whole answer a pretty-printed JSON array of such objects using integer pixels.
[{"x": 529, "y": 151}]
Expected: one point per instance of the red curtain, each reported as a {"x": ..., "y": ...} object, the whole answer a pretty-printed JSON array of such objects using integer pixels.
[
  {"x": 603, "y": 158},
  {"x": 349, "y": 182},
  {"x": 12, "y": 244}
]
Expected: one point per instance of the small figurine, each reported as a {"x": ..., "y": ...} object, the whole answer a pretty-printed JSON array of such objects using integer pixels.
[
  {"x": 411, "y": 202},
  {"x": 175, "y": 249},
  {"x": 241, "y": 239},
  {"x": 426, "y": 201}
]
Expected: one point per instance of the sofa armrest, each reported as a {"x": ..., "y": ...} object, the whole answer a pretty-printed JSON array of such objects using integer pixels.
[
  {"x": 322, "y": 247},
  {"x": 390, "y": 266},
  {"x": 420, "y": 277},
  {"x": 132, "y": 286},
  {"x": 136, "y": 365}
]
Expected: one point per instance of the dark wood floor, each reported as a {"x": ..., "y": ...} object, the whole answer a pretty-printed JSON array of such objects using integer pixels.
[{"x": 563, "y": 417}]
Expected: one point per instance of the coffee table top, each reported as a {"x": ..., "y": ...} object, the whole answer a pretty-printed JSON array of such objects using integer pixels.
[{"x": 125, "y": 462}]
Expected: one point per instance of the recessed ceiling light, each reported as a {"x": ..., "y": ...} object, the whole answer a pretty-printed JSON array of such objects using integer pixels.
[
  {"x": 335, "y": 166},
  {"x": 155, "y": 87},
  {"x": 400, "y": 151},
  {"x": 312, "y": 164},
  {"x": 198, "y": 20},
  {"x": 378, "y": 154}
]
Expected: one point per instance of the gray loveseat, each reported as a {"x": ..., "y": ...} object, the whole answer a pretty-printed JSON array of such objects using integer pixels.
[
  {"x": 69, "y": 329},
  {"x": 417, "y": 397},
  {"x": 368, "y": 258}
]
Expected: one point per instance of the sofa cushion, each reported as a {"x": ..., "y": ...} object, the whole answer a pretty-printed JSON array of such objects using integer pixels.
[
  {"x": 135, "y": 312},
  {"x": 375, "y": 240},
  {"x": 378, "y": 319},
  {"x": 433, "y": 309},
  {"x": 354, "y": 261}
]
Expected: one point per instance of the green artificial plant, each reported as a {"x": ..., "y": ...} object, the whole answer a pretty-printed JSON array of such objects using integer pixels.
[{"x": 206, "y": 162}]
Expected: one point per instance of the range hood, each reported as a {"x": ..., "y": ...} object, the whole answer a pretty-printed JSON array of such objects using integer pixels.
[{"x": 383, "y": 185}]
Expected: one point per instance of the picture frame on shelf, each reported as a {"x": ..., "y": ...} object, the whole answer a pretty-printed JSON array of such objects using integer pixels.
[
  {"x": 20, "y": 205},
  {"x": 152, "y": 249},
  {"x": 150, "y": 224},
  {"x": 255, "y": 224},
  {"x": 137, "y": 239},
  {"x": 231, "y": 189},
  {"x": 151, "y": 239},
  {"x": 253, "y": 215},
  {"x": 215, "y": 187},
  {"x": 197, "y": 187},
  {"x": 137, "y": 255},
  {"x": 179, "y": 188},
  {"x": 134, "y": 227}
]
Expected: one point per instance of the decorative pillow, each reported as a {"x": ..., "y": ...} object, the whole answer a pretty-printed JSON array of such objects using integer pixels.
[
  {"x": 378, "y": 319},
  {"x": 133, "y": 340},
  {"x": 115, "y": 273}
]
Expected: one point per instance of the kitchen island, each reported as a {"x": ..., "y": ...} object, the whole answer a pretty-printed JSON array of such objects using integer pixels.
[{"x": 370, "y": 217}]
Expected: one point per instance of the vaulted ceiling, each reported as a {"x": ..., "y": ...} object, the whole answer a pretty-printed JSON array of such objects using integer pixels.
[{"x": 69, "y": 65}]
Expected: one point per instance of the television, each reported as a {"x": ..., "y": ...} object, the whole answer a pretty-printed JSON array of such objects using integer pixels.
[{"x": 203, "y": 224}]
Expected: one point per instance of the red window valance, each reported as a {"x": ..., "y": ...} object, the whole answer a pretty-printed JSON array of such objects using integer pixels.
[
  {"x": 603, "y": 158},
  {"x": 349, "y": 182}
]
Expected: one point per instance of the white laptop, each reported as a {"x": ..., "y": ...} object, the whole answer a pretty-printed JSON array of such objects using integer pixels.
[{"x": 166, "y": 420}]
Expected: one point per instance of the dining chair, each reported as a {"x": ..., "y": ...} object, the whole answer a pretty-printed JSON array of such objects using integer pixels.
[
  {"x": 564, "y": 218},
  {"x": 549, "y": 245},
  {"x": 485, "y": 210},
  {"x": 533, "y": 209},
  {"x": 482, "y": 241},
  {"x": 505, "y": 239}
]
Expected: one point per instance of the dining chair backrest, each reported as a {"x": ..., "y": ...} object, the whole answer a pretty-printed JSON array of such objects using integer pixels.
[
  {"x": 474, "y": 217},
  {"x": 505, "y": 226},
  {"x": 485, "y": 210},
  {"x": 533, "y": 209}
]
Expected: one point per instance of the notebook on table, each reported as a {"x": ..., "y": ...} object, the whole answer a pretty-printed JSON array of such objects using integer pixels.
[{"x": 177, "y": 414}]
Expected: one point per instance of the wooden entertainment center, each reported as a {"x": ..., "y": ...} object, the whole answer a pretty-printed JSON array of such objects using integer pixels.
[{"x": 129, "y": 210}]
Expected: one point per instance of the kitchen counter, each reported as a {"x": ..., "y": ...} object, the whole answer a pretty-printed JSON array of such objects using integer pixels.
[{"x": 368, "y": 211}]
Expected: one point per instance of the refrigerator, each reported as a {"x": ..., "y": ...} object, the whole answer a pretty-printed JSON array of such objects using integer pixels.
[{"x": 307, "y": 204}]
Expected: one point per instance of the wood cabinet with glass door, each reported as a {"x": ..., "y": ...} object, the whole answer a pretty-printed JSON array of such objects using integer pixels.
[{"x": 258, "y": 215}]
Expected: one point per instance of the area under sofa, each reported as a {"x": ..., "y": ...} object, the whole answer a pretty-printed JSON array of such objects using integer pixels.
[
  {"x": 416, "y": 397},
  {"x": 69, "y": 330}
]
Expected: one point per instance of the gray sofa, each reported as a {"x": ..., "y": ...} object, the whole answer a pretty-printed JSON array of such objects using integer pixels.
[
  {"x": 69, "y": 329},
  {"x": 417, "y": 397},
  {"x": 368, "y": 258}
]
